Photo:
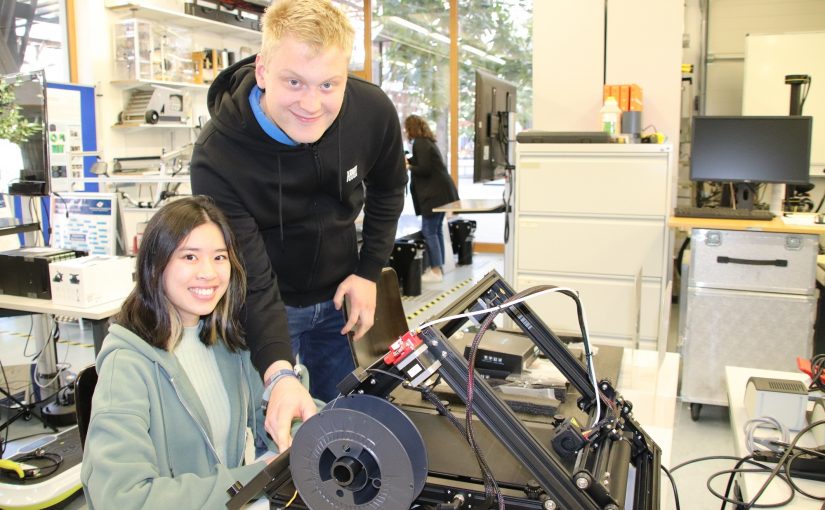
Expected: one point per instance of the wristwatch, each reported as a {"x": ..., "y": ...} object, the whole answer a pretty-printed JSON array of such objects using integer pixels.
[{"x": 274, "y": 379}]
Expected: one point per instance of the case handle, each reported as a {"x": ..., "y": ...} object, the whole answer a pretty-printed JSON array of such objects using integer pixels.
[{"x": 753, "y": 262}]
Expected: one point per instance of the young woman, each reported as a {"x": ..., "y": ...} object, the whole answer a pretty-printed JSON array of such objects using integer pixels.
[
  {"x": 176, "y": 389},
  {"x": 431, "y": 186}
]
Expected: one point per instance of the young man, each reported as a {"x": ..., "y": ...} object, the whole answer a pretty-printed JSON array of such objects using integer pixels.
[{"x": 294, "y": 150}]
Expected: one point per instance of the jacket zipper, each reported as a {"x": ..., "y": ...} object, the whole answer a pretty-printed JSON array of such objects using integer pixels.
[
  {"x": 188, "y": 410},
  {"x": 318, "y": 173}
]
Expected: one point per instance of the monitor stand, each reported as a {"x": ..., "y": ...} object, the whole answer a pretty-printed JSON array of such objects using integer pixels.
[{"x": 745, "y": 193}]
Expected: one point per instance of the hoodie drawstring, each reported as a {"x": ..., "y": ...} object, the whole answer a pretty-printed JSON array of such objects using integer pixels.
[
  {"x": 340, "y": 170},
  {"x": 280, "y": 203}
]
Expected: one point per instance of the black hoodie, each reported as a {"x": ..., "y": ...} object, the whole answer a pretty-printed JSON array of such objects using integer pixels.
[{"x": 293, "y": 208}]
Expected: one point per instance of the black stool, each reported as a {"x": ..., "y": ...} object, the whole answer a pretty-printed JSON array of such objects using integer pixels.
[
  {"x": 462, "y": 236},
  {"x": 407, "y": 258}
]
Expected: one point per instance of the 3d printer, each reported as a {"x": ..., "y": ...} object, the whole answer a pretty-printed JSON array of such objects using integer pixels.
[{"x": 369, "y": 449}]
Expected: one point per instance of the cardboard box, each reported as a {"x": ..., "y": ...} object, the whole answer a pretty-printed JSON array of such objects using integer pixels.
[
  {"x": 635, "y": 103},
  {"x": 89, "y": 281},
  {"x": 624, "y": 97}
]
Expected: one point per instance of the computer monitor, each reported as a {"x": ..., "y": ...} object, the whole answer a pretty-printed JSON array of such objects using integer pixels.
[
  {"x": 751, "y": 150},
  {"x": 495, "y": 101},
  {"x": 30, "y": 96}
]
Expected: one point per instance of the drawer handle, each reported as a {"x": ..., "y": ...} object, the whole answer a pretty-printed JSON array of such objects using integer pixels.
[{"x": 753, "y": 262}]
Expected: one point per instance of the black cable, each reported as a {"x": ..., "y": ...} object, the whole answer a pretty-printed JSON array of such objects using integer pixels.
[
  {"x": 703, "y": 459},
  {"x": 5, "y": 440},
  {"x": 37, "y": 456},
  {"x": 672, "y": 484},
  {"x": 751, "y": 504},
  {"x": 817, "y": 369},
  {"x": 681, "y": 256},
  {"x": 788, "y": 470},
  {"x": 781, "y": 463}
]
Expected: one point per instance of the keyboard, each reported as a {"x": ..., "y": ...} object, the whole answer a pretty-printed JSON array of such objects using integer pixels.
[{"x": 723, "y": 213}]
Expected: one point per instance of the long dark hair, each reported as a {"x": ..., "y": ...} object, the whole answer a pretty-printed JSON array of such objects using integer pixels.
[
  {"x": 147, "y": 311},
  {"x": 417, "y": 127}
]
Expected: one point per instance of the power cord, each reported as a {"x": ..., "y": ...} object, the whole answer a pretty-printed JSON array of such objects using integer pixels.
[{"x": 31, "y": 466}]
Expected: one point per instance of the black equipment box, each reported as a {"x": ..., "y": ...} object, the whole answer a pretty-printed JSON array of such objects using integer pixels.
[
  {"x": 25, "y": 271},
  {"x": 533, "y": 136},
  {"x": 218, "y": 13},
  {"x": 407, "y": 258},
  {"x": 502, "y": 353},
  {"x": 462, "y": 234}
]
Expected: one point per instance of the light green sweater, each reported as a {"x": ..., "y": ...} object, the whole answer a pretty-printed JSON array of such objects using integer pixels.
[{"x": 149, "y": 443}]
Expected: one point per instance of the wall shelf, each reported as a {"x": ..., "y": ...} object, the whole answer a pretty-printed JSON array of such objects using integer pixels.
[
  {"x": 137, "y": 84},
  {"x": 170, "y": 17},
  {"x": 136, "y": 179},
  {"x": 135, "y": 127}
]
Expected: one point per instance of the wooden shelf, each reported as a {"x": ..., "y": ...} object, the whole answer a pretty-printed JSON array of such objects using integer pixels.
[{"x": 170, "y": 17}]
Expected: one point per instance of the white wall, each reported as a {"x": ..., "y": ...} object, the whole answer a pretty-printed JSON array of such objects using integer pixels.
[
  {"x": 728, "y": 23},
  {"x": 568, "y": 64},
  {"x": 644, "y": 41}
]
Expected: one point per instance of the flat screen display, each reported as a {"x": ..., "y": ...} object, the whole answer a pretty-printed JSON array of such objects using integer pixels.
[
  {"x": 751, "y": 149},
  {"x": 495, "y": 98}
]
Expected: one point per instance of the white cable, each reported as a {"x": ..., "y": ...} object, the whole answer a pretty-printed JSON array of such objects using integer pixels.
[
  {"x": 765, "y": 423},
  {"x": 585, "y": 333}
]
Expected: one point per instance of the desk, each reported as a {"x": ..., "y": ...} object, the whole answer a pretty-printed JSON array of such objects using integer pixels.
[
  {"x": 97, "y": 315},
  {"x": 736, "y": 378},
  {"x": 749, "y": 284},
  {"x": 775, "y": 225},
  {"x": 473, "y": 205}
]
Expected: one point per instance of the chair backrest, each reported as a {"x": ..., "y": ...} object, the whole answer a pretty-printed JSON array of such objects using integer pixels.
[
  {"x": 84, "y": 388},
  {"x": 390, "y": 322}
]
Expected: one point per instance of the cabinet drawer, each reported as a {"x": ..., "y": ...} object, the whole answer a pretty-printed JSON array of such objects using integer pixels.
[
  {"x": 630, "y": 184},
  {"x": 757, "y": 261},
  {"x": 611, "y": 305},
  {"x": 581, "y": 245}
]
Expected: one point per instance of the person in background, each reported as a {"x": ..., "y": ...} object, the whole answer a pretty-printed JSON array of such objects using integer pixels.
[
  {"x": 294, "y": 150},
  {"x": 176, "y": 387},
  {"x": 431, "y": 187}
]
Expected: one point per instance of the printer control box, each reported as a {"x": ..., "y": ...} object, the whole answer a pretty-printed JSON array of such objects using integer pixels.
[
  {"x": 89, "y": 281},
  {"x": 781, "y": 399},
  {"x": 25, "y": 271}
]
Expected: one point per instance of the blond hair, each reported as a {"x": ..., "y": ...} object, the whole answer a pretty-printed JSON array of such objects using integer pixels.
[{"x": 316, "y": 23}]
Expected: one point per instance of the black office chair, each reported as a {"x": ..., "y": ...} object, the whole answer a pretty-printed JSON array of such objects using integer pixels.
[
  {"x": 390, "y": 322},
  {"x": 84, "y": 388}
]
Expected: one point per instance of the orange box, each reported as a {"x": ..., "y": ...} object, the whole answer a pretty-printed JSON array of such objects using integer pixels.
[
  {"x": 624, "y": 97},
  {"x": 635, "y": 103}
]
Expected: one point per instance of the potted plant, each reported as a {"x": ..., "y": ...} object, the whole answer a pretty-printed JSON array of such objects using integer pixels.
[{"x": 13, "y": 126}]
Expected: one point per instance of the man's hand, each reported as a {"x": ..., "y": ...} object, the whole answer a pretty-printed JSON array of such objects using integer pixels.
[
  {"x": 360, "y": 304},
  {"x": 289, "y": 400}
]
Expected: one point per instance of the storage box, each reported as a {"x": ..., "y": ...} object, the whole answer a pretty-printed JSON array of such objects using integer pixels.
[
  {"x": 145, "y": 50},
  {"x": 88, "y": 281},
  {"x": 25, "y": 271}
]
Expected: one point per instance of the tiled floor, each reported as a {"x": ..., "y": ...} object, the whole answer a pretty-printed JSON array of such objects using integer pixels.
[{"x": 708, "y": 436}]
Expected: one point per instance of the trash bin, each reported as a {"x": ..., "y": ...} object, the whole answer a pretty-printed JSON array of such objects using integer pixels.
[{"x": 462, "y": 236}]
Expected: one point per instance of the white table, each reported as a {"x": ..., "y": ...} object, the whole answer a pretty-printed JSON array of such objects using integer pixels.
[
  {"x": 736, "y": 379},
  {"x": 97, "y": 315},
  {"x": 473, "y": 205}
]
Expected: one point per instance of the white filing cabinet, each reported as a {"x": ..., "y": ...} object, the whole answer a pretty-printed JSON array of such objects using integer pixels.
[
  {"x": 593, "y": 217},
  {"x": 751, "y": 302}
]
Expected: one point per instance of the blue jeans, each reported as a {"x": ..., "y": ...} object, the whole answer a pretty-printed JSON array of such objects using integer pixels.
[
  {"x": 431, "y": 228},
  {"x": 316, "y": 338}
]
